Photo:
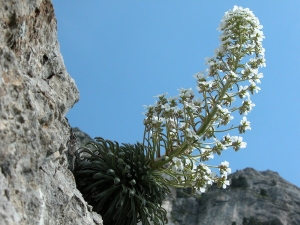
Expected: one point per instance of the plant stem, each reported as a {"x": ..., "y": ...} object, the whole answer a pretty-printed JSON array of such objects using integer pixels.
[{"x": 185, "y": 145}]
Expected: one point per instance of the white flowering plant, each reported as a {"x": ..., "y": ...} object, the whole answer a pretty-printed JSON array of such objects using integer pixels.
[
  {"x": 126, "y": 183},
  {"x": 183, "y": 132}
]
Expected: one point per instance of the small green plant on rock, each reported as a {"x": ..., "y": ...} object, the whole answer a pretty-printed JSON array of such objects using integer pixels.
[
  {"x": 263, "y": 192},
  {"x": 128, "y": 183},
  {"x": 254, "y": 221},
  {"x": 240, "y": 182},
  {"x": 274, "y": 183}
]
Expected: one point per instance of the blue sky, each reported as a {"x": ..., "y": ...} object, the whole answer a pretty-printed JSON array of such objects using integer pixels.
[{"x": 122, "y": 53}]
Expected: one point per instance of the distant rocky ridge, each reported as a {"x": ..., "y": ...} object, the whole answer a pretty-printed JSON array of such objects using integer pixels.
[
  {"x": 82, "y": 138},
  {"x": 268, "y": 200}
]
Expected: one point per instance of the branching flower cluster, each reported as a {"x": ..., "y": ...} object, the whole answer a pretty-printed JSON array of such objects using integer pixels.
[{"x": 181, "y": 133}]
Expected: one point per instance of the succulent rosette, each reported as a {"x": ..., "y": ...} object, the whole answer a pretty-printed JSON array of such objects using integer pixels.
[{"x": 119, "y": 183}]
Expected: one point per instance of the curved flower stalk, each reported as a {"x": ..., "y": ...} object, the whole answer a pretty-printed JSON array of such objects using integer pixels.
[
  {"x": 127, "y": 184},
  {"x": 181, "y": 133}
]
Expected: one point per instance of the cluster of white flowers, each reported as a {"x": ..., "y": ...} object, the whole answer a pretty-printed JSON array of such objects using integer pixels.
[
  {"x": 177, "y": 165},
  {"x": 181, "y": 132}
]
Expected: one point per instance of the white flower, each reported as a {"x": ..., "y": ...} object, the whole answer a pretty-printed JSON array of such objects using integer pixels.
[
  {"x": 210, "y": 181},
  {"x": 240, "y": 18},
  {"x": 244, "y": 125},
  {"x": 226, "y": 140},
  {"x": 191, "y": 133},
  {"x": 256, "y": 78},
  {"x": 225, "y": 117},
  {"x": 182, "y": 125},
  {"x": 178, "y": 165},
  {"x": 205, "y": 168},
  {"x": 219, "y": 145},
  {"x": 243, "y": 145},
  {"x": 206, "y": 153},
  {"x": 246, "y": 107},
  {"x": 253, "y": 88},
  {"x": 243, "y": 92},
  {"x": 155, "y": 120},
  {"x": 237, "y": 142},
  {"x": 233, "y": 75},
  {"x": 175, "y": 109},
  {"x": 199, "y": 76},
  {"x": 188, "y": 93},
  {"x": 229, "y": 99},
  {"x": 148, "y": 106},
  {"x": 192, "y": 163},
  {"x": 225, "y": 164},
  {"x": 204, "y": 85},
  {"x": 161, "y": 95},
  {"x": 228, "y": 170},
  {"x": 225, "y": 184},
  {"x": 202, "y": 189},
  {"x": 197, "y": 101},
  {"x": 166, "y": 107},
  {"x": 219, "y": 51},
  {"x": 224, "y": 111},
  {"x": 190, "y": 106}
]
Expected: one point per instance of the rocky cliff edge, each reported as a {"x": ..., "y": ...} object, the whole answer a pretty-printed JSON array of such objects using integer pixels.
[{"x": 36, "y": 92}]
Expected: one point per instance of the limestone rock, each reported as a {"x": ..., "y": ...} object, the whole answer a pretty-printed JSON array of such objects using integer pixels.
[
  {"x": 280, "y": 204},
  {"x": 82, "y": 138},
  {"x": 36, "y": 92}
]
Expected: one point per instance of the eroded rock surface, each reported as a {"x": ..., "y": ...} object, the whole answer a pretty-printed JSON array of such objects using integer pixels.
[
  {"x": 278, "y": 204},
  {"x": 36, "y": 92}
]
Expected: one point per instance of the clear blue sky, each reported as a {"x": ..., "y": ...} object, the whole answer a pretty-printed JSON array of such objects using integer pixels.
[{"x": 122, "y": 53}]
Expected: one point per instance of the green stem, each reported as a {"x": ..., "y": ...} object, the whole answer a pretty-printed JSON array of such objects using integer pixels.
[
  {"x": 159, "y": 162},
  {"x": 162, "y": 161},
  {"x": 221, "y": 131}
]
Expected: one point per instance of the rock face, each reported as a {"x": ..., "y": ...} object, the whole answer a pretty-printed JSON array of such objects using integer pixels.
[
  {"x": 82, "y": 138},
  {"x": 268, "y": 199},
  {"x": 35, "y": 94}
]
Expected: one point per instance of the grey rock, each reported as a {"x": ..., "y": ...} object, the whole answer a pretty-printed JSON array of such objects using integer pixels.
[
  {"x": 224, "y": 206},
  {"x": 36, "y": 92},
  {"x": 82, "y": 138}
]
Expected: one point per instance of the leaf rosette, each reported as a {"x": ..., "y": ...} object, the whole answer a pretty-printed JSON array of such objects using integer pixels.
[{"x": 119, "y": 183}]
